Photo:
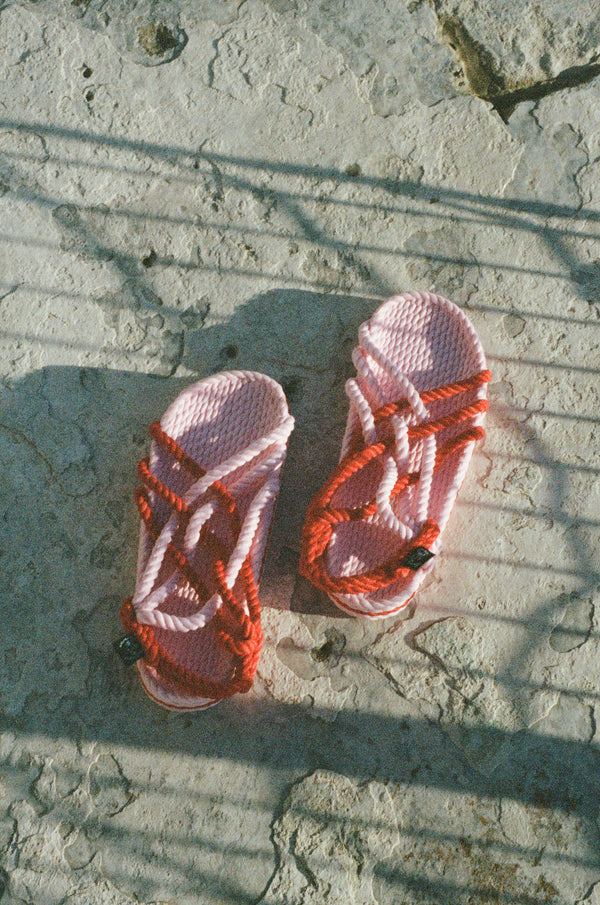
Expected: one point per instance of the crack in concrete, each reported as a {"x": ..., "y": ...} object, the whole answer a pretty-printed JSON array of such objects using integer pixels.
[
  {"x": 593, "y": 726},
  {"x": 439, "y": 664},
  {"x": 277, "y": 848},
  {"x": 302, "y": 863},
  {"x": 387, "y": 674},
  {"x": 580, "y": 145},
  {"x": 293, "y": 106},
  {"x": 485, "y": 81},
  {"x": 22, "y": 436},
  {"x": 99, "y": 784},
  {"x": 213, "y": 60}
]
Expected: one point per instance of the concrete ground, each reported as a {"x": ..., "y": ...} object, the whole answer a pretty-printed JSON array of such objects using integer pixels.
[{"x": 205, "y": 185}]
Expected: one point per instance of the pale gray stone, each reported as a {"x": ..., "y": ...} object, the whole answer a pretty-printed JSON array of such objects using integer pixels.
[
  {"x": 329, "y": 838},
  {"x": 393, "y": 48},
  {"x": 568, "y": 718},
  {"x": 504, "y": 46},
  {"x": 147, "y": 31},
  {"x": 451, "y": 670},
  {"x": 575, "y": 626},
  {"x": 460, "y": 848},
  {"x": 78, "y": 851},
  {"x": 52, "y": 786},
  {"x": 556, "y": 149},
  {"x": 513, "y": 324},
  {"x": 109, "y": 788},
  {"x": 439, "y": 261},
  {"x": 247, "y": 205}
]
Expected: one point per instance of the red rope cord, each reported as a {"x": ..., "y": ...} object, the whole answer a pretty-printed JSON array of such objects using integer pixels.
[
  {"x": 322, "y": 519},
  {"x": 238, "y": 632}
]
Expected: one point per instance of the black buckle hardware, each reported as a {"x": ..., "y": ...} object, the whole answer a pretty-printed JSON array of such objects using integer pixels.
[
  {"x": 129, "y": 649},
  {"x": 416, "y": 558}
]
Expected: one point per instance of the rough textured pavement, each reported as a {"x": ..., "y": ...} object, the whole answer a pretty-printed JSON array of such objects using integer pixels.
[{"x": 236, "y": 184}]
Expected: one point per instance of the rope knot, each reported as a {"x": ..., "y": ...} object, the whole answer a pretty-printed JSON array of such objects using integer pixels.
[
  {"x": 323, "y": 517},
  {"x": 237, "y": 620}
]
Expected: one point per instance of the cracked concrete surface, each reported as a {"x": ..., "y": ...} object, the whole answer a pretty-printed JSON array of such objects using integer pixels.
[
  {"x": 509, "y": 51},
  {"x": 189, "y": 187}
]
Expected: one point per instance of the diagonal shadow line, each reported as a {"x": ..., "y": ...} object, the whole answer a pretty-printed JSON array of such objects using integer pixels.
[
  {"x": 508, "y": 457},
  {"x": 555, "y": 799},
  {"x": 516, "y": 564},
  {"x": 501, "y": 676},
  {"x": 586, "y": 570},
  {"x": 178, "y": 869},
  {"x": 126, "y": 265},
  {"x": 415, "y": 190},
  {"x": 414, "y": 212},
  {"x": 563, "y": 518},
  {"x": 101, "y": 822},
  {"x": 316, "y": 235},
  {"x": 541, "y": 365},
  {"x": 589, "y": 323},
  {"x": 549, "y": 234},
  {"x": 131, "y": 837},
  {"x": 165, "y": 152},
  {"x": 473, "y": 216},
  {"x": 557, "y": 416},
  {"x": 447, "y": 891},
  {"x": 309, "y": 236},
  {"x": 363, "y": 745},
  {"x": 497, "y": 218},
  {"x": 584, "y": 278}
]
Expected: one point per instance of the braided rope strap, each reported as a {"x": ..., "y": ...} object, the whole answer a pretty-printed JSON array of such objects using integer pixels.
[
  {"x": 401, "y": 446},
  {"x": 223, "y": 597},
  {"x": 322, "y": 517},
  {"x": 238, "y": 631}
]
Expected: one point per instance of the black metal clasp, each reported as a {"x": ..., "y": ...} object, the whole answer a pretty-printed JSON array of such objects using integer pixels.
[
  {"x": 129, "y": 649},
  {"x": 416, "y": 558}
]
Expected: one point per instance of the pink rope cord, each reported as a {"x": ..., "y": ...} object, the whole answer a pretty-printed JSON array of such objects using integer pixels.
[
  {"x": 416, "y": 408},
  {"x": 210, "y": 487}
]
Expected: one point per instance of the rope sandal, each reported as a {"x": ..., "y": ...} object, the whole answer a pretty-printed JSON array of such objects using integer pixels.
[
  {"x": 209, "y": 488},
  {"x": 416, "y": 409}
]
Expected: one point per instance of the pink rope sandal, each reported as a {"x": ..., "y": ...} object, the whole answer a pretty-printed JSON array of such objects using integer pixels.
[
  {"x": 209, "y": 488},
  {"x": 416, "y": 409}
]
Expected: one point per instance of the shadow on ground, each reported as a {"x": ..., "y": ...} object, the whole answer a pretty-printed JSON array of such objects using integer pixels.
[{"x": 70, "y": 439}]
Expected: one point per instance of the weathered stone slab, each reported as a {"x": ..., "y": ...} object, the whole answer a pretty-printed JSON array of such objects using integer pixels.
[
  {"x": 246, "y": 205},
  {"x": 330, "y": 836},
  {"x": 393, "y": 48},
  {"x": 507, "y": 46}
]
